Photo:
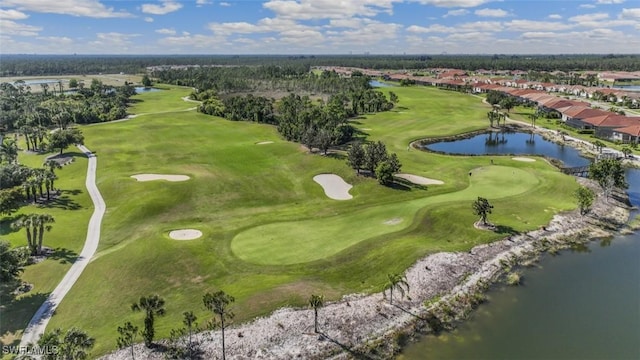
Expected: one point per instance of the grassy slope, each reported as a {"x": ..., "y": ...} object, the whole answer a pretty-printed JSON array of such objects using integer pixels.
[
  {"x": 71, "y": 212},
  {"x": 237, "y": 187}
]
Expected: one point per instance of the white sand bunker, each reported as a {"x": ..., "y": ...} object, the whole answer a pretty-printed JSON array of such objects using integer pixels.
[
  {"x": 151, "y": 177},
  {"x": 523, "y": 159},
  {"x": 394, "y": 221},
  {"x": 264, "y": 142},
  {"x": 185, "y": 234},
  {"x": 334, "y": 186},
  {"x": 420, "y": 180}
]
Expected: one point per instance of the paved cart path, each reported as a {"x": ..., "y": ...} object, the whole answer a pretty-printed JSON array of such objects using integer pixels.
[{"x": 39, "y": 322}]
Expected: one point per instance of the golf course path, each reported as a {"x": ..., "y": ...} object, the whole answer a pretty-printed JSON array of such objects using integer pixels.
[{"x": 41, "y": 318}]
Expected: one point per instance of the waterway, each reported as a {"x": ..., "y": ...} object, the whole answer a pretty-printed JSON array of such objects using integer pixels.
[
  {"x": 575, "y": 305},
  {"x": 376, "y": 83}
]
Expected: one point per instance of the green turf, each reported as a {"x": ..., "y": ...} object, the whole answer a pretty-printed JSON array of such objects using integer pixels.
[{"x": 240, "y": 193}]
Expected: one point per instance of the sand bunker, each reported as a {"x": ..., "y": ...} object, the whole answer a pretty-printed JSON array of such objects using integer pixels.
[
  {"x": 334, "y": 186},
  {"x": 394, "y": 221},
  {"x": 264, "y": 142},
  {"x": 523, "y": 159},
  {"x": 151, "y": 177},
  {"x": 420, "y": 180},
  {"x": 185, "y": 234}
]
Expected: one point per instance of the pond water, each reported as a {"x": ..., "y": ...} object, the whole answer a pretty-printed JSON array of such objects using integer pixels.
[
  {"x": 511, "y": 143},
  {"x": 376, "y": 83},
  {"x": 627, "y": 87},
  {"x": 576, "y": 305},
  {"x": 144, "y": 90}
]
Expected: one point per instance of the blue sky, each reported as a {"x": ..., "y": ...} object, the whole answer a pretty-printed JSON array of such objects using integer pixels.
[{"x": 319, "y": 26}]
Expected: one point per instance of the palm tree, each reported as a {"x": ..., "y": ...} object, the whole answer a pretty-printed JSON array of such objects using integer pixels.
[
  {"x": 152, "y": 305},
  {"x": 26, "y": 222},
  {"x": 398, "y": 282},
  {"x": 218, "y": 303},
  {"x": 49, "y": 178},
  {"x": 599, "y": 145},
  {"x": 75, "y": 344},
  {"x": 42, "y": 221},
  {"x": 626, "y": 151},
  {"x": 9, "y": 150},
  {"x": 316, "y": 302},
  {"x": 51, "y": 165}
]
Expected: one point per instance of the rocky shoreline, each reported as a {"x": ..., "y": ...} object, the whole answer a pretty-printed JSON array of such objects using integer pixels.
[{"x": 444, "y": 288}]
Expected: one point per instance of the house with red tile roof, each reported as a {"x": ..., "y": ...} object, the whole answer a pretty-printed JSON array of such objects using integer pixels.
[
  {"x": 627, "y": 134},
  {"x": 575, "y": 115}
]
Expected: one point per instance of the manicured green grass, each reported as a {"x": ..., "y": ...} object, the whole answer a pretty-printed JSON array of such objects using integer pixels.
[
  {"x": 169, "y": 99},
  {"x": 240, "y": 194},
  {"x": 71, "y": 212}
]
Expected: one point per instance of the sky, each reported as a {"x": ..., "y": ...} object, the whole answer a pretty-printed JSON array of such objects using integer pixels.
[{"x": 319, "y": 27}]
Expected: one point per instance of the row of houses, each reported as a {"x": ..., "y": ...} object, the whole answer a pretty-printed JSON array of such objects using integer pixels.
[{"x": 575, "y": 113}]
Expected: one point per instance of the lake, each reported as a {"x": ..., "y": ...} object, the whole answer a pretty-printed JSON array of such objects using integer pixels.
[
  {"x": 575, "y": 305},
  {"x": 511, "y": 143},
  {"x": 376, "y": 83},
  {"x": 144, "y": 90}
]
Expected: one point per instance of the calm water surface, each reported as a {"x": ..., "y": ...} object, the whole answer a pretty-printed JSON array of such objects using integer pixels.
[
  {"x": 576, "y": 305},
  {"x": 376, "y": 83},
  {"x": 511, "y": 143}
]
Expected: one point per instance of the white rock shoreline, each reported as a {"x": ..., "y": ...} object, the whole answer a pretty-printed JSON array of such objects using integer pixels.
[{"x": 368, "y": 325}]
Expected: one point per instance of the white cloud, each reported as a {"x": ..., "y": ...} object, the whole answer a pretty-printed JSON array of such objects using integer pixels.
[
  {"x": 589, "y": 17},
  {"x": 538, "y": 35},
  {"x": 459, "y": 12},
  {"x": 328, "y": 9},
  {"x": 485, "y": 26},
  {"x": 225, "y": 4},
  {"x": 117, "y": 42},
  {"x": 10, "y": 27},
  {"x": 203, "y": 2},
  {"x": 167, "y": 6},
  {"x": 491, "y": 12},
  {"x": 630, "y": 13},
  {"x": 587, "y": 6},
  {"x": 607, "y": 2},
  {"x": 148, "y": 19},
  {"x": 165, "y": 31},
  {"x": 555, "y": 16},
  {"x": 12, "y": 15},
  {"x": 59, "y": 40},
  {"x": 452, "y": 3},
  {"x": 531, "y": 25},
  {"x": 88, "y": 8}
]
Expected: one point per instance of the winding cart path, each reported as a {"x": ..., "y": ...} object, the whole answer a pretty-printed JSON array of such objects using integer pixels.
[{"x": 39, "y": 322}]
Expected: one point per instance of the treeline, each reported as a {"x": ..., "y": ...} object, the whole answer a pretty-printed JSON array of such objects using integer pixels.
[
  {"x": 32, "y": 113},
  {"x": 268, "y": 78},
  {"x": 316, "y": 125},
  {"x": 35, "y": 65}
]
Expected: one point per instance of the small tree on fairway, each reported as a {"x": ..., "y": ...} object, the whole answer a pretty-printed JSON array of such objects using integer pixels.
[
  {"x": 355, "y": 157},
  {"x": 218, "y": 303},
  {"x": 585, "y": 198},
  {"x": 127, "y": 338},
  {"x": 375, "y": 153},
  {"x": 393, "y": 97},
  {"x": 599, "y": 145},
  {"x": 482, "y": 208},
  {"x": 316, "y": 302},
  {"x": 397, "y": 282},
  {"x": 609, "y": 173},
  {"x": 64, "y": 138},
  {"x": 626, "y": 151},
  {"x": 151, "y": 305}
]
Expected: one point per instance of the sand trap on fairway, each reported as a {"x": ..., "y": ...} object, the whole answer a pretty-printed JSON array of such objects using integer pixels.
[
  {"x": 264, "y": 142},
  {"x": 185, "y": 234},
  {"x": 420, "y": 180},
  {"x": 151, "y": 177},
  {"x": 334, "y": 186},
  {"x": 523, "y": 159}
]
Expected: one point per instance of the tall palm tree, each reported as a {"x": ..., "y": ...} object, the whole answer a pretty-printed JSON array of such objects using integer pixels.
[
  {"x": 151, "y": 305},
  {"x": 316, "y": 302},
  {"x": 218, "y": 303},
  {"x": 26, "y": 222},
  {"x": 9, "y": 150},
  {"x": 397, "y": 282},
  {"x": 51, "y": 165},
  {"x": 42, "y": 221},
  {"x": 49, "y": 178}
]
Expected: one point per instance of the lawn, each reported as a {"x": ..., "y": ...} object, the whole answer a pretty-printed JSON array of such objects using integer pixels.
[{"x": 271, "y": 236}]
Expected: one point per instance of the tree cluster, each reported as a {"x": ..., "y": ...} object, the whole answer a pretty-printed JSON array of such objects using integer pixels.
[{"x": 375, "y": 159}]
